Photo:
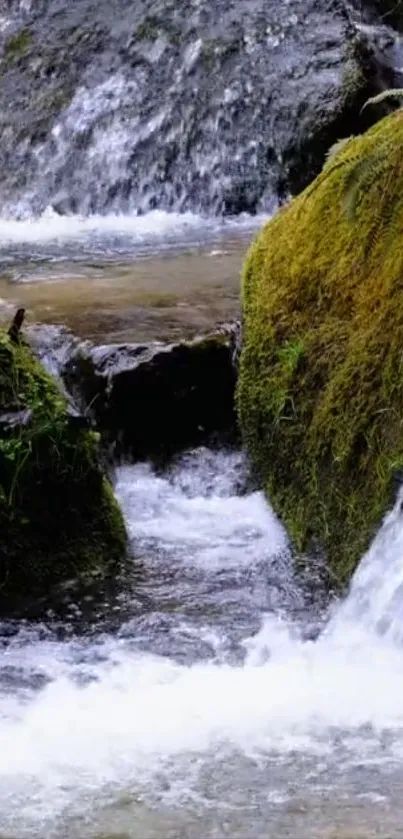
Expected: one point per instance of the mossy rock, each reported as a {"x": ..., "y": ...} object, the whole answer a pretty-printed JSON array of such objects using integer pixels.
[
  {"x": 320, "y": 393},
  {"x": 58, "y": 514}
]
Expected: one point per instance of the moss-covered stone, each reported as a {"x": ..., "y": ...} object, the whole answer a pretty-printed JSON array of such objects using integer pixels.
[
  {"x": 320, "y": 394},
  {"x": 58, "y": 515}
]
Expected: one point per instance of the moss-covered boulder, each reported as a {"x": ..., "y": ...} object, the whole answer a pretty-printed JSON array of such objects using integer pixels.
[
  {"x": 58, "y": 515},
  {"x": 320, "y": 394}
]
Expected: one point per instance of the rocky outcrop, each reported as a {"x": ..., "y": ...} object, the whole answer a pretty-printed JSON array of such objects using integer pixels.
[
  {"x": 320, "y": 393},
  {"x": 216, "y": 107},
  {"x": 156, "y": 399},
  {"x": 58, "y": 516}
]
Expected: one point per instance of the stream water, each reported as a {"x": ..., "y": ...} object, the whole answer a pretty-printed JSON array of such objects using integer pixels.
[
  {"x": 210, "y": 691},
  {"x": 125, "y": 279},
  {"x": 212, "y": 694}
]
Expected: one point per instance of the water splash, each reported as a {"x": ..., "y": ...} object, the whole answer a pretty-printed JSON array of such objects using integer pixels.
[
  {"x": 165, "y": 710},
  {"x": 52, "y": 235},
  {"x": 374, "y": 606}
]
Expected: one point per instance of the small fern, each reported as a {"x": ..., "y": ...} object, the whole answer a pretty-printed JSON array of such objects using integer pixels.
[
  {"x": 362, "y": 172},
  {"x": 340, "y": 145},
  {"x": 390, "y": 93},
  {"x": 362, "y": 175},
  {"x": 359, "y": 179},
  {"x": 352, "y": 185}
]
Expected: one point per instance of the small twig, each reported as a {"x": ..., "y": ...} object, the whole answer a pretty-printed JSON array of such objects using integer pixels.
[{"x": 15, "y": 328}]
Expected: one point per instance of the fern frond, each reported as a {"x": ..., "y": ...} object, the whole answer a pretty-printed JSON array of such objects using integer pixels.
[
  {"x": 352, "y": 185},
  {"x": 378, "y": 228},
  {"x": 361, "y": 177},
  {"x": 384, "y": 210},
  {"x": 332, "y": 167},
  {"x": 391, "y": 93},
  {"x": 389, "y": 210}
]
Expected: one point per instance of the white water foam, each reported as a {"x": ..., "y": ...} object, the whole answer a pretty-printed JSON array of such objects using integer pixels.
[
  {"x": 374, "y": 607},
  {"x": 144, "y": 716},
  {"x": 118, "y": 234},
  {"x": 196, "y": 516}
]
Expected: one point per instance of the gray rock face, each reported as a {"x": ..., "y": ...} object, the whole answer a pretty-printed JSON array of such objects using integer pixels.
[{"x": 218, "y": 107}]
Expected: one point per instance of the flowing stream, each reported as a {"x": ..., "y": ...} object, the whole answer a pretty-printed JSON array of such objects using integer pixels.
[
  {"x": 121, "y": 278},
  {"x": 211, "y": 694}
]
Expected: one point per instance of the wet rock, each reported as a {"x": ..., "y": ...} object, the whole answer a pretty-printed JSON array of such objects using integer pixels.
[
  {"x": 215, "y": 107},
  {"x": 53, "y": 345},
  {"x": 156, "y": 398},
  {"x": 12, "y": 420}
]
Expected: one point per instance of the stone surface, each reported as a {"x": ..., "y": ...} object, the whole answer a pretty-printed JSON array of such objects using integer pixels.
[{"x": 158, "y": 398}]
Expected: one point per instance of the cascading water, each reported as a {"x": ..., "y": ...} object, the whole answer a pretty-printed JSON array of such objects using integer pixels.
[
  {"x": 207, "y": 693},
  {"x": 127, "y": 129},
  {"x": 199, "y": 705},
  {"x": 375, "y": 602},
  {"x": 213, "y": 108}
]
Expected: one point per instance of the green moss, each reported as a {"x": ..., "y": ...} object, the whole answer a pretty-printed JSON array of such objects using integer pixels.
[
  {"x": 320, "y": 394},
  {"x": 17, "y": 46},
  {"x": 154, "y": 27},
  {"x": 58, "y": 514},
  {"x": 149, "y": 29}
]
